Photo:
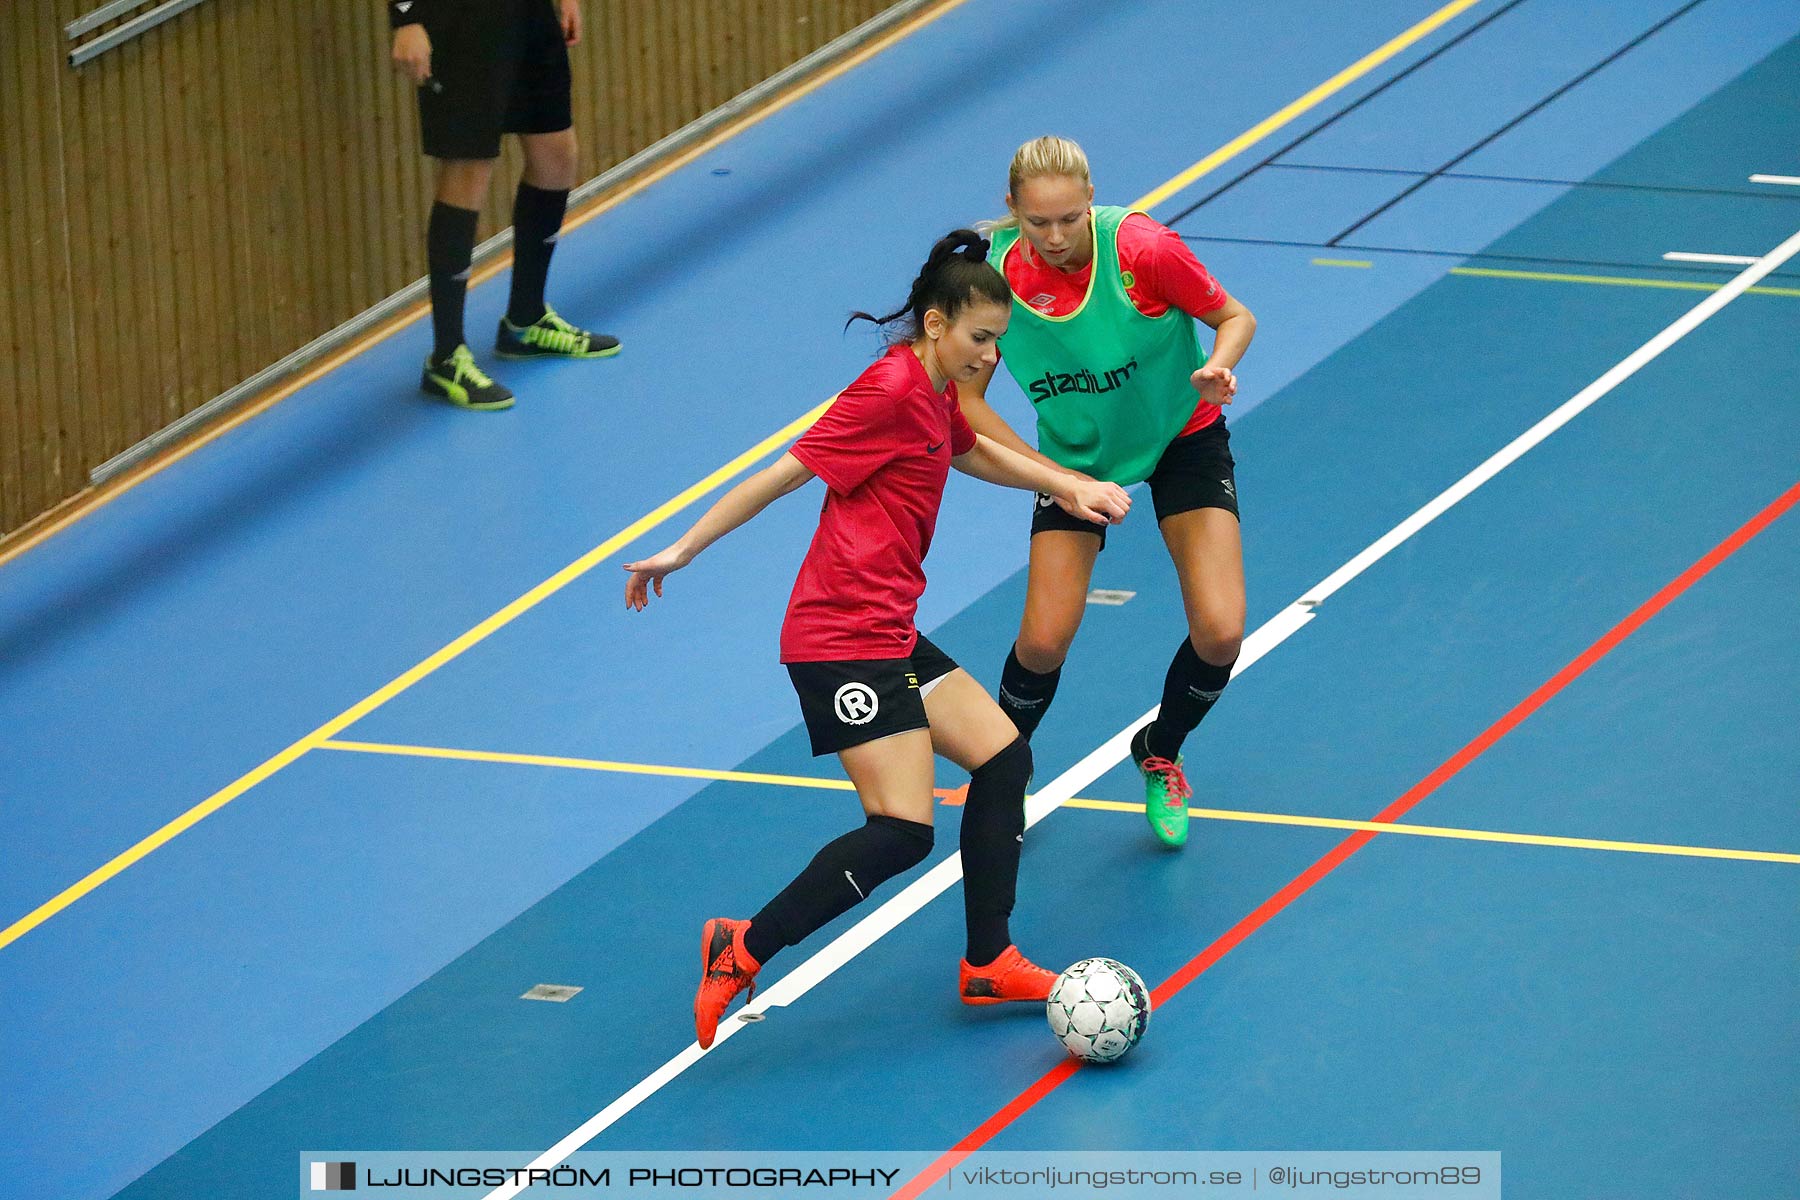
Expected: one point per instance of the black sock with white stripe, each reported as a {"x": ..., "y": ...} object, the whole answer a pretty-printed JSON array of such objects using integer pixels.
[
  {"x": 1190, "y": 689},
  {"x": 449, "y": 244},
  {"x": 993, "y": 835},
  {"x": 839, "y": 877},
  {"x": 537, "y": 221},
  {"x": 1025, "y": 694}
]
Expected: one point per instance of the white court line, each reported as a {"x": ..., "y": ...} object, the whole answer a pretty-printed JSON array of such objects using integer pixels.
[
  {"x": 1276, "y": 630},
  {"x": 1729, "y": 260},
  {"x": 1789, "y": 180}
]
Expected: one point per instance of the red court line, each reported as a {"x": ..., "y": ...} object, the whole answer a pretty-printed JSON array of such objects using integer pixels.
[{"x": 1260, "y": 916}]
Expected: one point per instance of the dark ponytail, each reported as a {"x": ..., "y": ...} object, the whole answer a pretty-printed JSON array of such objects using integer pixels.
[{"x": 955, "y": 274}]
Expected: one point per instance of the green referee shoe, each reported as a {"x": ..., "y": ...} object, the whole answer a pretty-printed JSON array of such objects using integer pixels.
[
  {"x": 1166, "y": 793},
  {"x": 551, "y": 337},
  {"x": 457, "y": 379}
]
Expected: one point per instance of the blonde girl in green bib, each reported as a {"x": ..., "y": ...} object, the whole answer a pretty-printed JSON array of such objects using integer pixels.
[{"x": 1102, "y": 341}]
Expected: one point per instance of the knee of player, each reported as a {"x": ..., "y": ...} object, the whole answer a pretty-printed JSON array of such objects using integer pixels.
[
  {"x": 1217, "y": 641},
  {"x": 555, "y": 158},
  {"x": 911, "y": 841},
  {"x": 1008, "y": 771},
  {"x": 1042, "y": 650},
  {"x": 564, "y": 159},
  {"x": 464, "y": 181}
]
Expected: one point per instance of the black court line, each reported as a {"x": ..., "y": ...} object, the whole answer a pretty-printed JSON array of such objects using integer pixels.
[
  {"x": 1528, "y": 259},
  {"x": 1678, "y": 189},
  {"x": 1627, "y": 48},
  {"x": 1470, "y": 32}
]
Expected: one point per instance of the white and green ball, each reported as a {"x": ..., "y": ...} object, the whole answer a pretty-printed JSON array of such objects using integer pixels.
[{"x": 1098, "y": 1009}]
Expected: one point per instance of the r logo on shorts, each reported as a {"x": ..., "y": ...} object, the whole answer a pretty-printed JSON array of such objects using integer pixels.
[
  {"x": 850, "y": 702},
  {"x": 856, "y": 704}
]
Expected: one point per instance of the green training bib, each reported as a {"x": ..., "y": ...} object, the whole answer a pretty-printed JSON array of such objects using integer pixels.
[{"x": 1110, "y": 385}]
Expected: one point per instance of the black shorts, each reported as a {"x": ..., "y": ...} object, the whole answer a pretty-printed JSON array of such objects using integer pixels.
[
  {"x": 848, "y": 703},
  {"x": 497, "y": 66},
  {"x": 1196, "y": 471}
]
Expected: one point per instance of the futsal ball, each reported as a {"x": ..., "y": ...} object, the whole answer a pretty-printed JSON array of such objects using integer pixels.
[{"x": 1098, "y": 1009}]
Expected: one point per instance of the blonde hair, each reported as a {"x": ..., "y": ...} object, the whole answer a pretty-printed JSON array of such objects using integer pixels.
[{"x": 1045, "y": 156}]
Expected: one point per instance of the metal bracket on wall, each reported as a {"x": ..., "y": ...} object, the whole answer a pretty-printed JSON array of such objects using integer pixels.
[{"x": 113, "y": 38}]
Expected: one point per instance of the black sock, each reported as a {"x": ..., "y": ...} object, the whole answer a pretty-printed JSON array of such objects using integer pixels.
[
  {"x": 1189, "y": 692},
  {"x": 839, "y": 877},
  {"x": 993, "y": 834},
  {"x": 449, "y": 243},
  {"x": 1024, "y": 694},
  {"x": 537, "y": 220}
]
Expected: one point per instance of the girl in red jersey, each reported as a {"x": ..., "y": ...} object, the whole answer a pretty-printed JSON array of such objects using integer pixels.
[
  {"x": 1102, "y": 340},
  {"x": 872, "y": 689}
]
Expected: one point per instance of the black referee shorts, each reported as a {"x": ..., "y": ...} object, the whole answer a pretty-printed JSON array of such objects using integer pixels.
[
  {"x": 1196, "y": 471},
  {"x": 497, "y": 66}
]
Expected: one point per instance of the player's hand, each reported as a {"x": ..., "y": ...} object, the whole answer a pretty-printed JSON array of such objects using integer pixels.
[
  {"x": 650, "y": 573},
  {"x": 1097, "y": 501},
  {"x": 1216, "y": 385},
  {"x": 412, "y": 53},
  {"x": 571, "y": 22},
  {"x": 1068, "y": 505}
]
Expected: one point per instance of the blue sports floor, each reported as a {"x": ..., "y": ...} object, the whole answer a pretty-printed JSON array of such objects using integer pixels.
[{"x": 317, "y": 755}]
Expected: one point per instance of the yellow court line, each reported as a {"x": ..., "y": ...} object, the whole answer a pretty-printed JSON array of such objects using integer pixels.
[
  {"x": 1209, "y": 814},
  {"x": 376, "y": 699},
  {"x": 1341, "y": 262},
  {"x": 588, "y": 764},
  {"x": 1330, "y": 87},
  {"x": 598, "y": 764},
  {"x": 82, "y": 503},
  {"x": 1440, "y": 831},
  {"x": 344, "y": 720},
  {"x": 1684, "y": 285}
]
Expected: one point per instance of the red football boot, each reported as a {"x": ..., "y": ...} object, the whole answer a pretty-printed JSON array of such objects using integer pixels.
[
  {"x": 726, "y": 969},
  {"x": 1012, "y": 976}
]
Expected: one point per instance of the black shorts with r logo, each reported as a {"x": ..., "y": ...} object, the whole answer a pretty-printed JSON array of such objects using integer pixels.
[{"x": 848, "y": 703}]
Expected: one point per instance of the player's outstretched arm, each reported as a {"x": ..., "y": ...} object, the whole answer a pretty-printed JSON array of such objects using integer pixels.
[
  {"x": 732, "y": 509},
  {"x": 1090, "y": 499}
]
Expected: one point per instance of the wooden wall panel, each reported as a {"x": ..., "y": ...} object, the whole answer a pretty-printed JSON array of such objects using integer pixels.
[
  {"x": 197, "y": 204},
  {"x": 38, "y": 364},
  {"x": 22, "y": 209}
]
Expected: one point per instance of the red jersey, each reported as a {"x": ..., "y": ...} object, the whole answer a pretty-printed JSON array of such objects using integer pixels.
[
  {"x": 1157, "y": 268},
  {"x": 884, "y": 449}
]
